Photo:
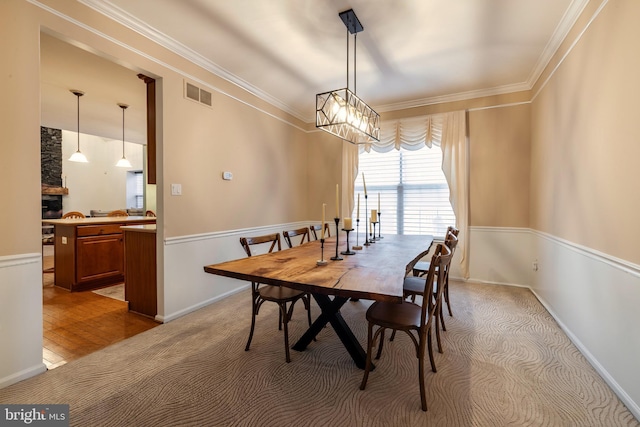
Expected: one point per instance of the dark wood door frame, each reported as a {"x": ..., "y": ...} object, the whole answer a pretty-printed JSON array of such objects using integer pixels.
[{"x": 151, "y": 128}]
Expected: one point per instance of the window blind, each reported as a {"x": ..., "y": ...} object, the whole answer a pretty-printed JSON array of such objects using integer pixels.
[
  {"x": 413, "y": 191},
  {"x": 139, "y": 190}
]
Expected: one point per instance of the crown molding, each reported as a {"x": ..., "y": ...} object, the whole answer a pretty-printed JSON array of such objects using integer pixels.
[
  {"x": 118, "y": 15},
  {"x": 461, "y": 96},
  {"x": 562, "y": 30},
  {"x": 113, "y": 12}
]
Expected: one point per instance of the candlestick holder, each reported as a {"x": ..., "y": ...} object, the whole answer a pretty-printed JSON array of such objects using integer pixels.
[
  {"x": 337, "y": 257},
  {"x": 321, "y": 261},
  {"x": 373, "y": 237},
  {"x": 357, "y": 247},
  {"x": 366, "y": 209},
  {"x": 348, "y": 251},
  {"x": 380, "y": 226}
]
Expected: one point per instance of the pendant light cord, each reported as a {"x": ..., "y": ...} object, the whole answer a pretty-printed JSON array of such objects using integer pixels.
[
  {"x": 78, "y": 122},
  {"x": 123, "y": 132}
]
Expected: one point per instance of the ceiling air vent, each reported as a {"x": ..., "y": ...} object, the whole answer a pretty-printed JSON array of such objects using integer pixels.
[{"x": 197, "y": 94}]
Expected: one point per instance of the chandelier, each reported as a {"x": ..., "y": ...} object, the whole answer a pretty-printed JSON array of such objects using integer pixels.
[{"x": 340, "y": 112}]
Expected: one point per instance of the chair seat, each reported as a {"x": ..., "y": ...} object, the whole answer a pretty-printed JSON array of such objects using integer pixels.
[
  {"x": 279, "y": 293},
  {"x": 422, "y": 266},
  {"x": 390, "y": 315},
  {"x": 413, "y": 285}
]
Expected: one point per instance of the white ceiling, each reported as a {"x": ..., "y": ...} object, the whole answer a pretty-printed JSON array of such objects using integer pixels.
[{"x": 411, "y": 52}]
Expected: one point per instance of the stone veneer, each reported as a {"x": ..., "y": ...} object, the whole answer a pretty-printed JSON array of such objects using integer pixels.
[{"x": 51, "y": 156}]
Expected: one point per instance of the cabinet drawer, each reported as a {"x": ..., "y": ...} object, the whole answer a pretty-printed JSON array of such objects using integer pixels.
[{"x": 99, "y": 230}]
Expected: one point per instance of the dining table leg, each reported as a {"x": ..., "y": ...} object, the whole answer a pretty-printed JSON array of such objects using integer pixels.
[{"x": 331, "y": 314}]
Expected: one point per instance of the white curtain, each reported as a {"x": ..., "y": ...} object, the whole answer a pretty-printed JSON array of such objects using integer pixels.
[{"x": 447, "y": 130}]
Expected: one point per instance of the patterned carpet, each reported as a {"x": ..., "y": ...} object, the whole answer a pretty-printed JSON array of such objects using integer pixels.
[{"x": 505, "y": 363}]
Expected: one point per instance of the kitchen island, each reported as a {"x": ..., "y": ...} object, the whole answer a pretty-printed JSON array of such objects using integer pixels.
[{"x": 89, "y": 252}]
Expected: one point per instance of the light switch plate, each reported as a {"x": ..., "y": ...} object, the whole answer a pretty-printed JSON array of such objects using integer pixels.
[{"x": 176, "y": 189}]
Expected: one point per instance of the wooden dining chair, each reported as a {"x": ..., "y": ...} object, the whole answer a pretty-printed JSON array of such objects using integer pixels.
[
  {"x": 73, "y": 215},
  {"x": 150, "y": 213},
  {"x": 411, "y": 287},
  {"x": 409, "y": 317},
  {"x": 118, "y": 212},
  {"x": 317, "y": 227},
  {"x": 278, "y": 294},
  {"x": 414, "y": 286},
  {"x": 421, "y": 267},
  {"x": 288, "y": 234}
]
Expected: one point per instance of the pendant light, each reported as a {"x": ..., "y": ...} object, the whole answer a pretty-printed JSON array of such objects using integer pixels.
[
  {"x": 123, "y": 162},
  {"x": 340, "y": 112},
  {"x": 78, "y": 156}
]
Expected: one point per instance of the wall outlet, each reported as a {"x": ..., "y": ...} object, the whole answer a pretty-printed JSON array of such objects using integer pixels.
[
  {"x": 64, "y": 240},
  {"x": 227, "y": 176},
  {"x": 534, "y": 265}
]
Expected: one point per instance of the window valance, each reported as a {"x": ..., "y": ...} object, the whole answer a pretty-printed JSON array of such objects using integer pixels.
[{"x": 409, "y": 133}]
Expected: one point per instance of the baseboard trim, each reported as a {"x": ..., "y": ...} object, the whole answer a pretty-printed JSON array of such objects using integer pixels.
[
  {"x": 180, "y": 313},
  {"x": 23, "y": 375},
  {"x": 611, "y": 382}
]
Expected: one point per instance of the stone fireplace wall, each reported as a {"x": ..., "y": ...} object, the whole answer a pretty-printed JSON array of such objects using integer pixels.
[
  {"x": 51, "y": 170},
  {"x": 51, "y": 156}
]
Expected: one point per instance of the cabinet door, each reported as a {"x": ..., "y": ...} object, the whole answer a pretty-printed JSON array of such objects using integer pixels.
[{"x": 100, "y": 257}]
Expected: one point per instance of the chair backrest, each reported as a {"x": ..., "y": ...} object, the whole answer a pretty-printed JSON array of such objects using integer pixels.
[
  {"x": 317, "y": 227},
  {"x": 150, "y": 213},
  {"x": 73, "y": 215},
  {"x": 288, "y": 234},
  {"x": 453, "y": 230},
  {"x": 438, "y": 270},
  {"x": 118, "y": 212},
  {"x": 452, "y": 242},
  {"x": 247, "y": 242}
]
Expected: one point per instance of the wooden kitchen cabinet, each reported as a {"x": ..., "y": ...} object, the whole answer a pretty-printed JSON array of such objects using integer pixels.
[{"x": 89, "y": 252}]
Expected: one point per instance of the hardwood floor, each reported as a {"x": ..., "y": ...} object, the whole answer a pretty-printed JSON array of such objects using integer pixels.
[{"x": 78, "y": 323}]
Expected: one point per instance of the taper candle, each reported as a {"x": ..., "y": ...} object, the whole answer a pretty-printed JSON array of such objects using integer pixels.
[
  {"x": 378, "y": 202},
  {"x": 348, "y": 225},
  {"x": 324, "y": 205},
  {"x": 337, "y": 201},
  {"x": 374, "y": 215},
  {"x": 358, "y": 214},
  {"x": 364, "y": 183}
]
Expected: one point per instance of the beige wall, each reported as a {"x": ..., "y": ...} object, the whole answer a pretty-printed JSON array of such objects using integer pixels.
[
  {"x": 265, "y": 148},
  {"x": 20, "y": 123},
  {"x": 585, "y": 139},
  {"x": 499, "y": 150},
  {"x": 281, "y": 173},
  {"x": 499, "y": 129}
]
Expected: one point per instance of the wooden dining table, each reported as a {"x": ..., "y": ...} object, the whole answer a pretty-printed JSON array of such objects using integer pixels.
[{"x": 375, "y": 273}]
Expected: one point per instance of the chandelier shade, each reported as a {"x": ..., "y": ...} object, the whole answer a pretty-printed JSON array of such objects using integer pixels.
[{"x": 341, "y": 112}]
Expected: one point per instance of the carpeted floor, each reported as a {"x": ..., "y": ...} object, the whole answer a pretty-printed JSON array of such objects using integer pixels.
[{"x": 505, "y": 362}]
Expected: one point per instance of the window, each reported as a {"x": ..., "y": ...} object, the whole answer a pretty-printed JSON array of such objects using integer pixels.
[
  {"x": 135, "y": 189},
  {"x": 414, "y": 195},
  {"x": 139, "y": 193}
]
